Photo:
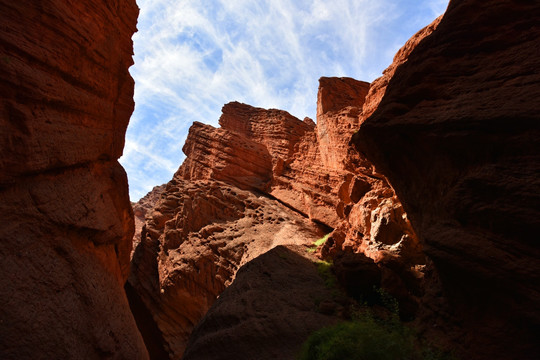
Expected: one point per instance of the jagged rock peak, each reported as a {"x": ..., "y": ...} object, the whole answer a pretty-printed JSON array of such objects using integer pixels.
[{"x": 336, "y": 93}]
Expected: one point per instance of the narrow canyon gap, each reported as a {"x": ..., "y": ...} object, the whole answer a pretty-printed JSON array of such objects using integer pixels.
[{"x": 452, "y": 124}]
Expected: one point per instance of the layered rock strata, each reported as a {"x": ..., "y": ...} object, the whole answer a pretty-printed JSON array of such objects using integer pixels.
[
  {"x": 263, "y": 179},
  {"x": 273, "y": 149},
  {"x": 66, "y": 98},
  {"x": 457, "y": 135}
]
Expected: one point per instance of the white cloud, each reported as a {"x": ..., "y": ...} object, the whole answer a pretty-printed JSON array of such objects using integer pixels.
[{"x": 192, "y": 57}]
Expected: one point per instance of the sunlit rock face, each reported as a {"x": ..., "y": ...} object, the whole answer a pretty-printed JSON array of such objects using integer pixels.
[
  {"x": 456, "y": 134},
  {"x": 339, "y": 101},
  {"x": 266, "y": 178},
  {"x": 66, "y": 99}
]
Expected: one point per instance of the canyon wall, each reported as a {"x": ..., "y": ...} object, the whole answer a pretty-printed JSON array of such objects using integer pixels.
[
  {"x": 264, "y": 179},
  {"x": 65, "y": 242},
  {"x": 451, "y": 128},
  {"x": 451, "y": 125},
  {"x": 457, "y": 135}
]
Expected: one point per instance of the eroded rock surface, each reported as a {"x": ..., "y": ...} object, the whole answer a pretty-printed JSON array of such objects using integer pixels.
[
  {"x": 196, "y": 238},
  {"x": 339, "y": 101},
  {"x": 457, "y": 135},
  {"x": 142, "y": 207},
  {"x": 266, "y": 178},
  {"x": 66, "y": 98}
]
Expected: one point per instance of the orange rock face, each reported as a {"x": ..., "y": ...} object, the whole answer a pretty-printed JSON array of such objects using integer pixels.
[
  {"x": 272, "y": 151},
  {"x": 66, "y": 98},
  {"x": 194, "y": 241},
  {"x": 266, "y": 178},
  {"x": 339, "y": 102},
  {"x": 456, "y": 133}
]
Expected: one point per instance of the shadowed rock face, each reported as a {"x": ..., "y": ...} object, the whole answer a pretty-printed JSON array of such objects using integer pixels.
[
  {"x": 457, "y": 135},
  {"x": 65, "y": 101},
  {"x": 273, "y": 305}
]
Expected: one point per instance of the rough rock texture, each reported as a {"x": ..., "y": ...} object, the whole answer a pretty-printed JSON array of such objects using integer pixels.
[
  {"x": 311, "y": 169},
  {"x": 372, "y": 220},
  {"x": 66, "y": 98},
  {"x": 218, "y": 212},
  {"x": 274, "y": 304},
  {"x": 227, "y": 156},
  {"x": 295, "y": 161},
  {"x": 143, "y": 207},
  {"x": 194, "y": 241},
  {"x": 266, "y": 150},
  {"x": 339, "y": 101},
  {"x": 457, "y": 135}
]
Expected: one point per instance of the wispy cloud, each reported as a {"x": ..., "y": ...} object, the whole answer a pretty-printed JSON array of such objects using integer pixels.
[{"x": 193, "y": 56}]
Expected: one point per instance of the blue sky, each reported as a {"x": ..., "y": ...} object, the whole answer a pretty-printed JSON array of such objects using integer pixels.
[{"x": 193, "y": 56}]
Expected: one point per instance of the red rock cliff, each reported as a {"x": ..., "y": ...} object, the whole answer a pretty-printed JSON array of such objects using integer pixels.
[
  {"x": 457, "y": 135},
  {"x": 66, "y": 98},
  {"x": 256, "y": 183},
  {"x": 143, "y": 207},
  {"x": 272, "y": 151}
]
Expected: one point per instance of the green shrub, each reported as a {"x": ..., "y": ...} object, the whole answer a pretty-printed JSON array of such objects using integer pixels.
[
  {"x": 357, "y": 340},
  {"x": 367, "y": 338},
  {"x": 318, "y": 243}
]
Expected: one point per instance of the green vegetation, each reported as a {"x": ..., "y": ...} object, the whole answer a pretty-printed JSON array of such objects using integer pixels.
[
  {"x": 356, "y": 340},
  {"x": 368, "y": 338},
  {"x": 321, "y": 240},
  {"x": 324, "y": 268},
  {"x": 318, "y": 243}
]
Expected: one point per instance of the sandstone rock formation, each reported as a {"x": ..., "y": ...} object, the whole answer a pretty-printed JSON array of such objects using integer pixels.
[
  {"x": 218, "y": 212},
  {"x": 457, "y": 135},
  {"x": 66, "y": 98},
  {"x": 143, "y": 207},
  {"x": 268, "y": 150},
  {"x": 196, "y": 238}
]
